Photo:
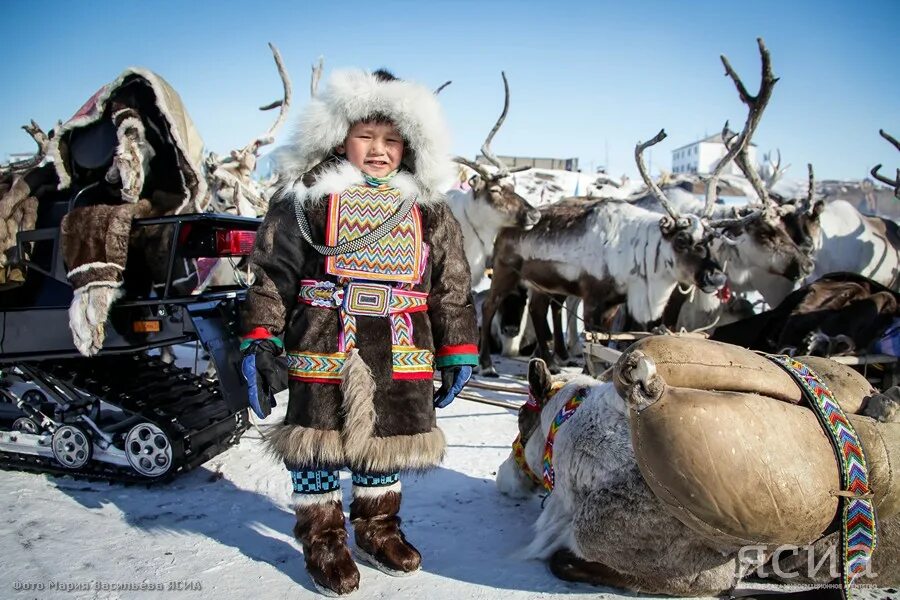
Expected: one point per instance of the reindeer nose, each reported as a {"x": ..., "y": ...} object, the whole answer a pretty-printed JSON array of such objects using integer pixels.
[
  {"x": 713, "y": 280},
  {"x": 532, "y": 218}
]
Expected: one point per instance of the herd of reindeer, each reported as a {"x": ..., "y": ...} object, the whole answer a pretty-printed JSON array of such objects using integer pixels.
[
  {"x": 669, "y": 271},
  {"x": 660, "y": 259}
]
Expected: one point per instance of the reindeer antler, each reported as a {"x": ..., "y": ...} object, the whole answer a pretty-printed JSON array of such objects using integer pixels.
[
  {"x": 812, "y": 186},
  {"x": 43, "y": 142},
  {"x": 642, "y": 168},
  {"x": 737, "y": 150},
  {"x": 503, "y": 170},
  {"x": 895, "y": 183},
  {"x": 486, "y": 146},
  {"x": 482, "y": 172},
  {"x": 284, "y": 103},
  {"x": 233, "y": 172},
  {"x": 316, "y": 76},
  {"x": 775, "y": 170},
  {"x": 441, "y": 87}
]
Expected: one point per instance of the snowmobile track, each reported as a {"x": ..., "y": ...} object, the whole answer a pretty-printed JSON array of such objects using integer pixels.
[{"x": 188, "y": 408}]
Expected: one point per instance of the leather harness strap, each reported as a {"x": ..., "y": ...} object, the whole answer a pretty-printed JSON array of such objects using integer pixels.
[{"x": 858, "y": 530}]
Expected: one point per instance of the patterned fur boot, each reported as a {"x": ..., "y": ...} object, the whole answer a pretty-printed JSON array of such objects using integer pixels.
[
  {"x": 320, "y": 529},
  {"x": 376, "y": 524}
]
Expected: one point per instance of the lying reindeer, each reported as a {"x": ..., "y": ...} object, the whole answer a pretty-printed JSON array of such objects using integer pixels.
[{"x": 606, "y": 523}]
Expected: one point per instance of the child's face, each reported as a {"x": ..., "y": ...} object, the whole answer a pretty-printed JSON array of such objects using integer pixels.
[{"x": 374, "y": 148}]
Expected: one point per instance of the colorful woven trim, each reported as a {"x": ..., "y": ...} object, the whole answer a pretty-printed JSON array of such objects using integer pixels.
[
  {"x": 359, "y": 210},
  {"x": 462, "y": 354},
  {"x": 561, "y": 417},
  {"x": 519, "y": 456},
  {"x": 410, "y": 362},
  {"x": 518, "y": 449},
  {"x": 316, "y": 368},
  {"x": 375, "y": 480},
  {"x": 314, "y": 481},
  {"x": 858, "y": 531},
  {"x": 259, "y": 333},
  {"x": 401, "y": 330}
]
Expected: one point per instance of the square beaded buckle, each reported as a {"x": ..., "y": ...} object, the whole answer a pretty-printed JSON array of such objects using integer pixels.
[{"x": 367, "y": 299}]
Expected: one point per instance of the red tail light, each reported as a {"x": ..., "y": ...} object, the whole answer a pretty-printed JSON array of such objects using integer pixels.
[{"x": 234, "y": 243}]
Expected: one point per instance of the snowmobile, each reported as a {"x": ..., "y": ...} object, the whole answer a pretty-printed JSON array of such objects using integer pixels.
[{"x": 121, "y": 413}]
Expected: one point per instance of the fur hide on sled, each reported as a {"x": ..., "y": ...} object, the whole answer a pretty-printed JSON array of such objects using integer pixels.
[{"x": 131, "y": 151}]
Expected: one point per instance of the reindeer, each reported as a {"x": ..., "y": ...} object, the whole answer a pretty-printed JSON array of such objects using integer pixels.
[
  {"x": 603, "y": 276},
  {"x": 491, "y": 203},
  {"x": 233, "y": 190},
  {"x": 841, "y": 239},
  {"x": 606, "y": 252}
]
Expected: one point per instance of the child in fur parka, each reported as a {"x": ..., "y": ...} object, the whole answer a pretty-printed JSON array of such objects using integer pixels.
[{"x": 360, "y": 270}]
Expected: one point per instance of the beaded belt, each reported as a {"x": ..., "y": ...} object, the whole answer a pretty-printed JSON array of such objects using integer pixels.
[
  {"x": 369, "y": 300},
  {"x": 365, "y": 299}
]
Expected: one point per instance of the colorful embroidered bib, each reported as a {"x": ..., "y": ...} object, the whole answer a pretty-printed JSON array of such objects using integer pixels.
[{"x": 395, "y": 257}]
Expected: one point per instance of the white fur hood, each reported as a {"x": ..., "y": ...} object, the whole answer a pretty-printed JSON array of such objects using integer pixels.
[{"x": 353, "y": 95}]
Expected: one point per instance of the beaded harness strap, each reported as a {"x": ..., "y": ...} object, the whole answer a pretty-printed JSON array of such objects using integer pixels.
[
  {"x": 858, "y": 527},
  {"x": 548, "y": 479}
]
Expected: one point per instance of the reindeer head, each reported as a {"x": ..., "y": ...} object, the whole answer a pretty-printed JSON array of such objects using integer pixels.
[
  {"x": 497, "y": 190},
  {"x": 763, "y": 233},
  {"x": 497, "y": 193},
  {"x": 768, "y": 242},
  {"x": 691, "y": 240},
  {"x": 514, "y": 477}
]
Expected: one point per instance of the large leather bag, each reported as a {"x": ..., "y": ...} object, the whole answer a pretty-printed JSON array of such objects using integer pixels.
[{"x": 726, "y": 441}]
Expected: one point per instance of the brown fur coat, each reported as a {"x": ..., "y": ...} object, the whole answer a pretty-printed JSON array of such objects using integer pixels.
[{"x": 372, "y": 421}]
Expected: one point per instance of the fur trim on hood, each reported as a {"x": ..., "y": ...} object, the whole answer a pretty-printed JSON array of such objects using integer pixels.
[
  {"x": 353, "y": 95},
  {"x": 335, "y": 176}
]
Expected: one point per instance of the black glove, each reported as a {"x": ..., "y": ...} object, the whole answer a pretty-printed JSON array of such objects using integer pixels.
[
  {"x": 453, "y": 379},
  {"x": 266, "y": 375}
]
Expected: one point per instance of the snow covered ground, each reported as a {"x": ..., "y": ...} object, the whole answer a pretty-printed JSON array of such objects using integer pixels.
[{"x": 223, "y": 530}]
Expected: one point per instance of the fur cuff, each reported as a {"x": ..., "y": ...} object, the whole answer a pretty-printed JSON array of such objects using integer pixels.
[
  {"x": 361, "y": 491},
  {"x": 301, "y": 500},
  {"x": 88, "y": 313},
  {"x": 356, "y": 446}
]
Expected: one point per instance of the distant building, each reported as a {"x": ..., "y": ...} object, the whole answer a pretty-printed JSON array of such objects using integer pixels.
[
  {"x": 563, "y": 164},
  {"x": 17, "y": 156},
  {"x": 702, "y": 157}
]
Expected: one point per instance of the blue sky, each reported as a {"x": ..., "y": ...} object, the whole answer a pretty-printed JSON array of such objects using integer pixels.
[{"x": 588, "y": 79}]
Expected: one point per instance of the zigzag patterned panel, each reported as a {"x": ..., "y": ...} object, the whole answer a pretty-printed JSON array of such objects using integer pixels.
[{"x": 357, "y": 211}]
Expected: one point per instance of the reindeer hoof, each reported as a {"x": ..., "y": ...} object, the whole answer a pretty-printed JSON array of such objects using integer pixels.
[{"x": 489, "y": 371}]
